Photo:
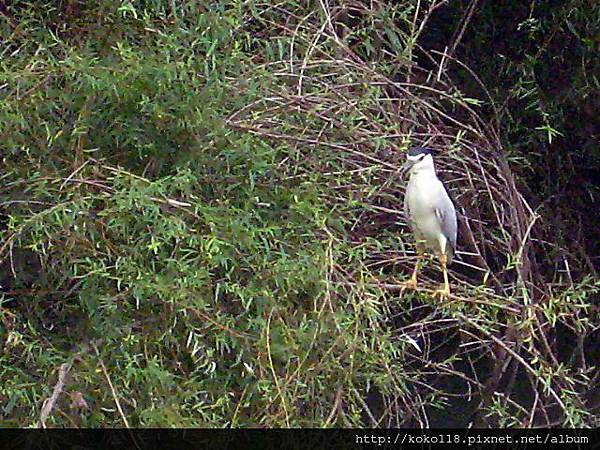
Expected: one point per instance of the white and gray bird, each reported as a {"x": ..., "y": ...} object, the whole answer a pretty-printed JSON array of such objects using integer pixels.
[{"x": 429, "y": 212}]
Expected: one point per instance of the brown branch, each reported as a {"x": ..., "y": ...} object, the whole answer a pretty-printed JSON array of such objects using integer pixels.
[{"x": 50, "y": 402}]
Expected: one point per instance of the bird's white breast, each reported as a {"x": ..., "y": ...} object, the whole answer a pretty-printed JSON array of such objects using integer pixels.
[{"x": 422, "y": 193}]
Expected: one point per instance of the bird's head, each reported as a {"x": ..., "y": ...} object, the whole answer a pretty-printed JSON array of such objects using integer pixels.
[{"x": 417, "y": 159}]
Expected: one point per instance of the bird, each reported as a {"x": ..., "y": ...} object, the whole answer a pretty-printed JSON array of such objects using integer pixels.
[{"x": 430, "y": 213}]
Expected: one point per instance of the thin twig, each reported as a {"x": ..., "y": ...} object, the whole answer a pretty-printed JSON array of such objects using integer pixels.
[{"x": 112, "y": 388}]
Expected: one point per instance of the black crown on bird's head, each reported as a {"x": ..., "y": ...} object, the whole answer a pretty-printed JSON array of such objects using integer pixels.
[{"x": 416, "y": 151}]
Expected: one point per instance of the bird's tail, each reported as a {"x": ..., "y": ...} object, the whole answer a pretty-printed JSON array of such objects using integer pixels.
[{"x": 450, "y": 253}]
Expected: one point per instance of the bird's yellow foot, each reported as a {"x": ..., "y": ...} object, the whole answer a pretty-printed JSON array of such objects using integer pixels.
[
  {"x": 442, "y": 293},
  {"x": 411, "y": 284}
]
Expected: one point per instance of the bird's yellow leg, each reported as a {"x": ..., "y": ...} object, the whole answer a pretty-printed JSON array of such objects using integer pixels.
[
  {"x": 412, "y": 282},
  {"x": 445, "y": 291}
]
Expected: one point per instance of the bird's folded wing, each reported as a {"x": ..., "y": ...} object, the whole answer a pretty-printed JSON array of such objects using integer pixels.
[{"x": 444, "y": 210}]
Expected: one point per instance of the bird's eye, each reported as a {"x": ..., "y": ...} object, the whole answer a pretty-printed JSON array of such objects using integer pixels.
[{"x": 421, "y": 157}]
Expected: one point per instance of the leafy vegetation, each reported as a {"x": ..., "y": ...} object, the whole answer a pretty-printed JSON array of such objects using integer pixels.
[{"x": 200, "y": 226}]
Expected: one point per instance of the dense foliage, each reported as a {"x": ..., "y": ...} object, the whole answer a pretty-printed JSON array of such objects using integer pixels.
[{"x": 200, "y": 222}]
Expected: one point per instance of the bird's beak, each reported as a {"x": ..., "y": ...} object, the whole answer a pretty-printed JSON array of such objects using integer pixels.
[{"x": 405, "y": 168}]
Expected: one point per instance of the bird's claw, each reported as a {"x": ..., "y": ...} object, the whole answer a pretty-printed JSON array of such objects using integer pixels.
[
  {"x": 410, "y": 284},
  {"x": 442, "y": 293}
]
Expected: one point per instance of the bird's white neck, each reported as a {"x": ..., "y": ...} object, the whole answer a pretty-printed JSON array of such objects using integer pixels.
[{"x": 423, "y": 168}]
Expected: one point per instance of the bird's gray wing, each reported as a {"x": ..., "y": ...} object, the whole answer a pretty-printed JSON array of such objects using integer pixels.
[{"x": 446, "y": 213}]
